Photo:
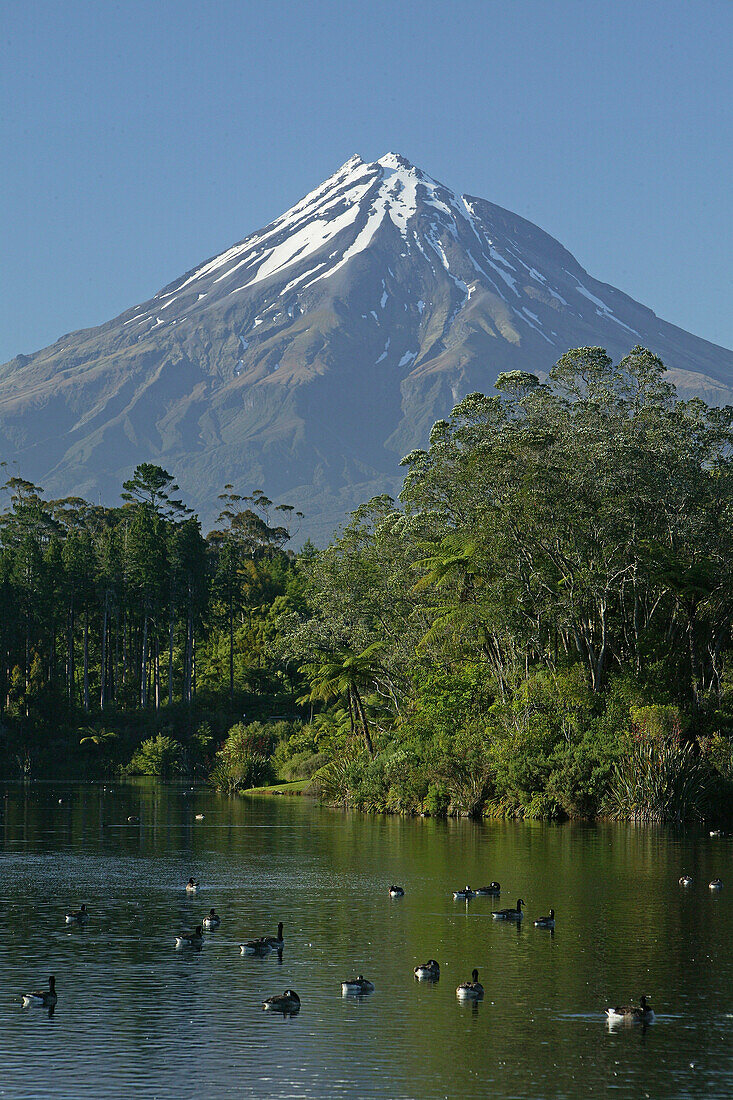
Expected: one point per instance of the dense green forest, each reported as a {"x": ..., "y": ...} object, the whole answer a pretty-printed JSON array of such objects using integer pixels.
[{"x": 541, "y": 626}]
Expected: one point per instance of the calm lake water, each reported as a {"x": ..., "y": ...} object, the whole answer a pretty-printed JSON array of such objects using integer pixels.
[{"x": 137, "y": 1017}]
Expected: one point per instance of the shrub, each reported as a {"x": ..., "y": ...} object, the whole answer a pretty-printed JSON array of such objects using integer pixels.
[
  {"x": 661, "y": 780},
  {"x": 409, "y": 780},
  {"x": 244, "y": 760},
  {"x": 338, "y": 779},
  {"x": 244, "y": 739},
  {"x": 520, "y": 764},
  {"x": 291, "y": 751},
  {"x": 465, "y": 770},
  {"x": 718, "y": 751},
  {"x": 251, "y": 770},
  {"x": 159, "y": 756},
  {"x": 371, "y": 790},
  {"x": 303, "y": 765},
  {"x": 656, "y": 722},
  {"x": 437, "y": 800}
]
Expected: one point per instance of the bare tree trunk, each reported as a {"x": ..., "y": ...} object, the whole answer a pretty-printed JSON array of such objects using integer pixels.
[
  {"x": 103, "y": 661},
  {"x": 600, "y": 662},
  {"x": 363, "y": 720},
  {"x": 124, "y": 647},
  {"x": 171, "y": 624},
  {"x": 27, "y": 663},
  {"x": 52, "y": 653},
  {"x": 86, "y": 660},
  {"x": 694, "y": 672},
  {"x": 114, "y": 658},
  {"x": 637, "y": 647},
  {"x": 188, "y": 677},
  {"x": 156, "y": 676},
  {"x": 193, "y": 667},
  {"x": 231, "y": 653},
  {"x": 144, "y": 666},
  {"x": 70, "y": 652}
]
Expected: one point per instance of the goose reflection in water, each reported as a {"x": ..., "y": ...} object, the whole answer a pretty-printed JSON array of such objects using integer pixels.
[{"x": 640, "y": 1028}]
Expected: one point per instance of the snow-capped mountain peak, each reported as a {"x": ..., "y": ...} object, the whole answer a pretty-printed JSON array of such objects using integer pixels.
[
  {"x": 358, "y": 197},
  {"x": 309, "y": 357},
  {"x": 346, "y": 215}
]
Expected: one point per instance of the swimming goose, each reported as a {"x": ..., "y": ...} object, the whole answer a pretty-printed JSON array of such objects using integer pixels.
[
  {"x": 471, "y": 991},
  {"x": 212, "y": 920},
  {"x": 190, "y": 939},
  {"x": 132, "y": 820},
  {"x": 510, "y": 914},
  {"x": 199, "y": 817},
  {"x": 81, "y": 916},
  {"x": 276, "y": 942},
  {"x": 287, "y": 1002},
  {"x": 396, "y": 892},
  {"x": 357, "y": 985},
  {"x": 546, "y": 922},
  {"x": 45, "y": 997},
  {"x": 716, "y": 884},
  {"x": 493, "y": 890},
  {"x": 192, "y": 885},
  {"x": 428, "y": 972},
  {"x": 262, "y": 946},
  {"x": 467, "y": 892},
  {"x": 686, "y": 880},
  {"x": 643, "y": 1014}
]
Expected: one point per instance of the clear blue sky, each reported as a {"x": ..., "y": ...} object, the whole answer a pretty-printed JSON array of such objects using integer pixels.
[{"x": 142, "y": 136}]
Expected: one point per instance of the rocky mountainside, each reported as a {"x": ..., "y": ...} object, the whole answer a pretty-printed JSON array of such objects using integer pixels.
[{"x": 309, "y": 358}]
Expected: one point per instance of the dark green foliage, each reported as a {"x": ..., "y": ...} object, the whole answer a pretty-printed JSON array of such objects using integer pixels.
[
  {"x": 245, "y": 758},
  {"x": 113, "y": 621},
  {"x": 558, "y": 575},
  {"x": 159, "y": 756},
  {"x": 661, "y": 780}
]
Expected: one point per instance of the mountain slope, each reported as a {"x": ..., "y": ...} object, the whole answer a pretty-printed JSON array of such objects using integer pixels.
[{"x": 307, "y": 359}]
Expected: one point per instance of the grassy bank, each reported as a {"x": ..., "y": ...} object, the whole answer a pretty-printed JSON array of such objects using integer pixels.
[{"x": 297, "y": 787}]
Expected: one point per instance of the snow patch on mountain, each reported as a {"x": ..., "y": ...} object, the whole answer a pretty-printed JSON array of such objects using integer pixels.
[
  {"x": 603, "y": 309},
  {"x": 340, "y": 220}
]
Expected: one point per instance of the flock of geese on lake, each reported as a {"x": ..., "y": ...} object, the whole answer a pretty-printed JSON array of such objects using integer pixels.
[{"x": 288, "y": 1003}]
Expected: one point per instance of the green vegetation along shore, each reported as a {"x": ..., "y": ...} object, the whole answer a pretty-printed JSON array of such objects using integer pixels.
[{"x": 540, "y": 627}]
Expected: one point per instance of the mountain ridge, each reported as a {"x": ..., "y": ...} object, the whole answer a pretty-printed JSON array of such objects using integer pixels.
[{"x": 309, "y": 356}]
